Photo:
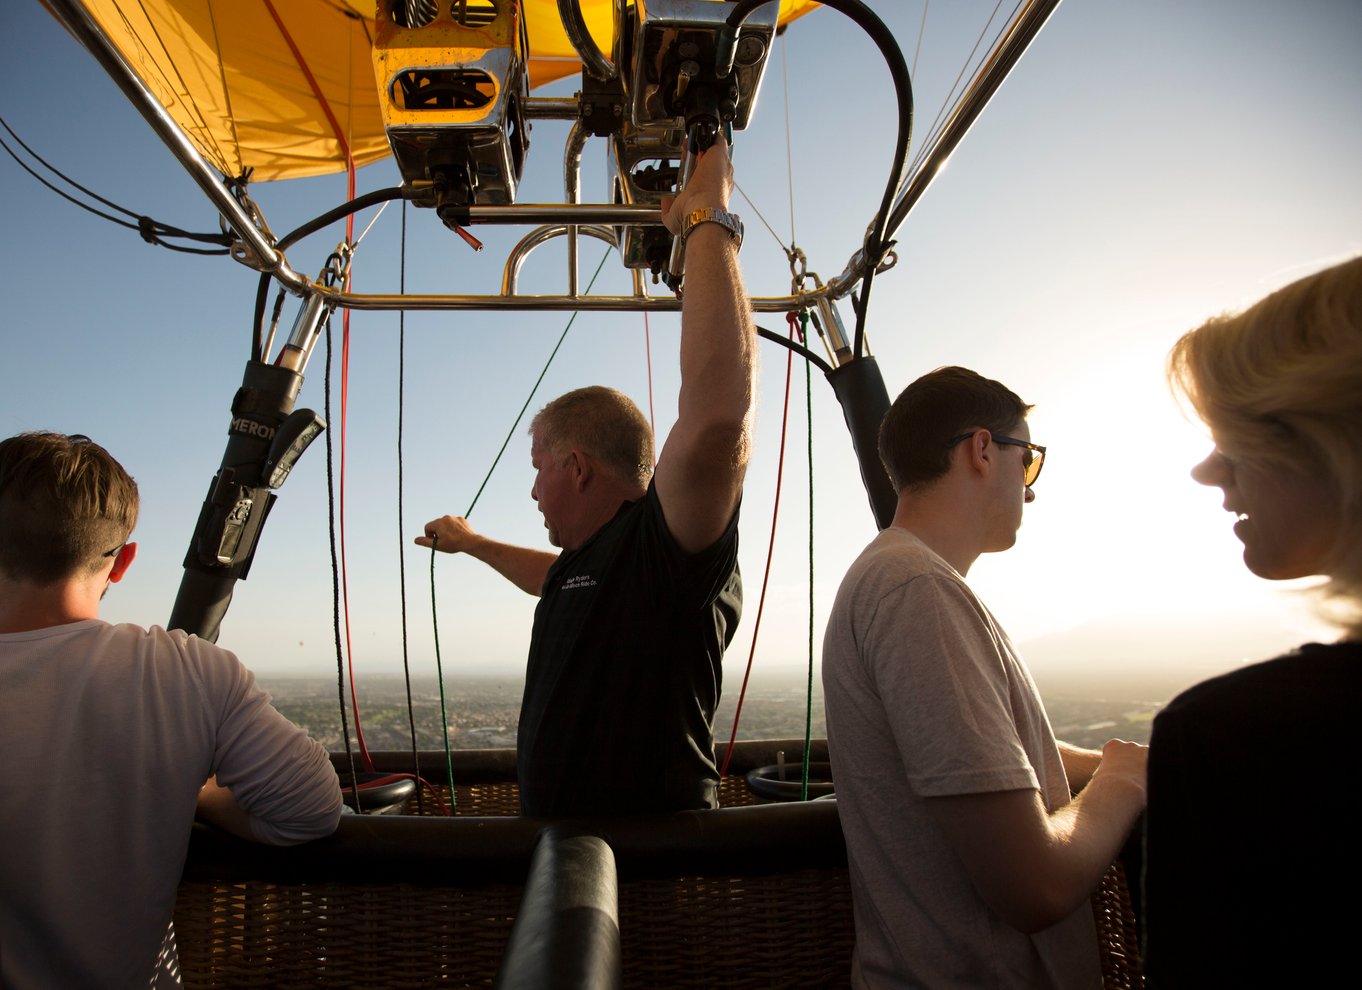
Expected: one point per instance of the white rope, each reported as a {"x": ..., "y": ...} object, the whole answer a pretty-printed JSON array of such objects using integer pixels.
[
  {"x": 921, "y": 30},
  {"x": 951, "y": 97},
  {"x": 789, "y": 149}
]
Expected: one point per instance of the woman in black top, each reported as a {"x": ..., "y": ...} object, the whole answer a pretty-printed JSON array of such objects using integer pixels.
[{"x": 1254, "y": 810}]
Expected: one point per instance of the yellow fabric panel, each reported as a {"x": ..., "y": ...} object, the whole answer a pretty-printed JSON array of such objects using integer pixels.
[{"x": 225, "y": 72}]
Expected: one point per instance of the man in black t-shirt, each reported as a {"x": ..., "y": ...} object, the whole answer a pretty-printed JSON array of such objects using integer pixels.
[{"x": 624, "y": 668}]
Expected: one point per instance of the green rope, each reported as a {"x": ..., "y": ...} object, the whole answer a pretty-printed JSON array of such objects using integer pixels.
[
  {"x": 808, "y": 404},
  {"x": 440, "y": 675},
  {"x": 435, "y": 626},
  {"x": 537, "y": 382}
]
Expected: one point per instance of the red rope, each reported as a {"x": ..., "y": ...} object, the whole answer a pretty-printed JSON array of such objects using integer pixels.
[
  {"x": 421, "y": 781},
  {"x": 345, "y": 360},
  {"x": 648, "y": 350},
  {"x": 321, "y": 99},
  {"x": 793, "y": 320}
]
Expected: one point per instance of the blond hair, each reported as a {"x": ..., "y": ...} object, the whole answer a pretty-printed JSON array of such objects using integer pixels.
[
  {"x": 65, "y": 503},
  {"x": 1280, "y": 384},
  {"x": 602, "y": 422}
]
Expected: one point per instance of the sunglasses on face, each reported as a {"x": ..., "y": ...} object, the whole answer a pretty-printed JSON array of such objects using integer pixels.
[{"x": 1034, "y": 456}]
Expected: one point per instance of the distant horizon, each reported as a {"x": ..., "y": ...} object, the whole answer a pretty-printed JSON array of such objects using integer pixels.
[
  {"x": 483, "y": 710},
  {"x": 1113, "y": 652}
]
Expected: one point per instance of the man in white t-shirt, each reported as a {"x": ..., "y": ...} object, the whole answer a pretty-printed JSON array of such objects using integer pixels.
[
  {"x": 113, "y": 737},
  {"x": 971, "y": 866}
]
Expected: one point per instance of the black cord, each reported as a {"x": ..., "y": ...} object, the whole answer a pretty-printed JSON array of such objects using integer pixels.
[
  {"x": 262, "y": 293},
  {"x": 799, "y": 349},
  {"x": 335, "y": 572},
  {"x": 69, "y": 198},
  {"x": 339, "y": 213},
  {"x": 297, "y": 234},
  {"x": 189, "y": 250},
  {"x": 401, "y": 526},
  {"x": 151, "y": 230},
  {"x": 808, "y": 695},
  {"x": 55, "y": 171}
]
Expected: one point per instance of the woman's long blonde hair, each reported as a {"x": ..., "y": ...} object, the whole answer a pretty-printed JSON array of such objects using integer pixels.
[{"x": 1280, "y": 384}]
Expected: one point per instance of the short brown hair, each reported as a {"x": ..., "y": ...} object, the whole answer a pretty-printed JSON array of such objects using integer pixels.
[
  {"x": 916, "y": 431},
  {"x": 64, "y": 503},
  {"x": 602, "y": 422}
]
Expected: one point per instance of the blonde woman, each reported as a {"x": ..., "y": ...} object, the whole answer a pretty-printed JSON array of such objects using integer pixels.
[{"x": 1254, "y": 819}]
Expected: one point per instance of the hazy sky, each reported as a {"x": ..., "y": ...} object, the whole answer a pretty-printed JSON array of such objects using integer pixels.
[{"x": 1147, "y": 165}]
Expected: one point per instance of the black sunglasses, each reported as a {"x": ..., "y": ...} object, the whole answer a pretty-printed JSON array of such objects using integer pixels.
[{"x": 1035, "y": 458}]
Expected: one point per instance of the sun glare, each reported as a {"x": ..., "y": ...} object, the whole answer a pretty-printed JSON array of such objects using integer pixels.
[{"x": 1121, "y": 536}]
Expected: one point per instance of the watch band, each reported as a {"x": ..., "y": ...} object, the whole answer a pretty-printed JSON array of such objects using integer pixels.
[{"x": 712, "y": 214}]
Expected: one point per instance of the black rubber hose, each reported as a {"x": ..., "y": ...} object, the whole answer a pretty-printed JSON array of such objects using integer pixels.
[
  {"x": 868, "y": 21},
  {"x": 294, "y": 236},
  {"x": 798, "y": 348}
]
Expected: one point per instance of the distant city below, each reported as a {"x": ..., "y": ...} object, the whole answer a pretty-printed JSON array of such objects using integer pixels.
[
  {"x": 1099, "y": 681},
  {"x": 483, "y": 711}
]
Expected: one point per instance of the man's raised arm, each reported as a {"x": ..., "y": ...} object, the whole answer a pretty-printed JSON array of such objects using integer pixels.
[
  {"x": 700, "y": 473},
  {"x": 522, "y": 566}
]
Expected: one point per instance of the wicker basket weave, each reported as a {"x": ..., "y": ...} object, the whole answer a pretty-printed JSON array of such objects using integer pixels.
[
  {"x": 337, "y": 935},
  {"x": 726, "y": 928},
  {"x": 781, "y": 930}
]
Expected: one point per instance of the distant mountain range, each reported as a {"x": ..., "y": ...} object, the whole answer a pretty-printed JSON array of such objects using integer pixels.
[{"x": 1131, "y": 658}]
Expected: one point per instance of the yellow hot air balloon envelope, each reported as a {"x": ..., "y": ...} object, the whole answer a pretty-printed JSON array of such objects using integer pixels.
[{"x": 266, "y": 85}]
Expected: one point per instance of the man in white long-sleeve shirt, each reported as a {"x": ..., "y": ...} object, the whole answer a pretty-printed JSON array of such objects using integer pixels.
[{"x": 113, "y": 737}]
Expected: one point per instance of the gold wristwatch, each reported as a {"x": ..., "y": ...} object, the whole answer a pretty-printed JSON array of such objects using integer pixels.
[{"x": 712, "y": 214}]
